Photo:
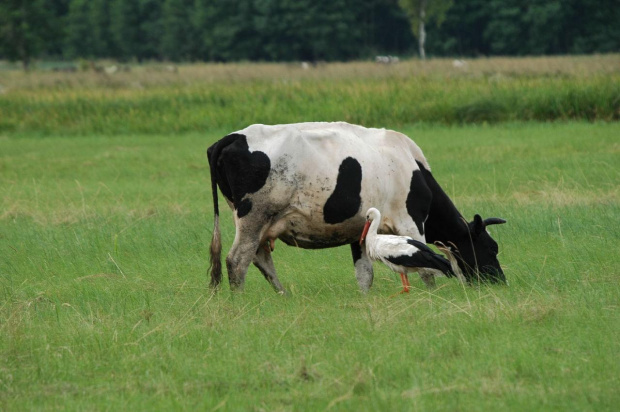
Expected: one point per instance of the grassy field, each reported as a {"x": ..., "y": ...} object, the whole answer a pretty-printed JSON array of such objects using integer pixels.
[
  {"x": 106, "y": 212},
  {"x": 104, "y": 302},
  {"x": 194, "y": 98}
]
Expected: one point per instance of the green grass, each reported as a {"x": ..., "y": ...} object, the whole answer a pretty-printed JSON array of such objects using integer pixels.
[
  {"x": 373, "y": 103},
  {"x": 104, "y": 302},
  {"x": 198, "y": 98}
]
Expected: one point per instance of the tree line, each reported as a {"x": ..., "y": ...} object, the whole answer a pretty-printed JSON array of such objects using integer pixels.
[{"x": 302, "y": 30}]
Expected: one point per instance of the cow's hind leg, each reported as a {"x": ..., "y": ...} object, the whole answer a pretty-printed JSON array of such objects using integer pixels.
[
  {"x": 242, "y": 252},
  {"x": 264, "y": 263},
  {"x": 363, "y": 267},
  {"x": 237, "y": 263}
]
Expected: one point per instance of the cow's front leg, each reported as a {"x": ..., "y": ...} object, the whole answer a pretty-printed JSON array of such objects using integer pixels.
[
  {"x": 363, "y": 267},
  {"x": 264, "y": 263}
]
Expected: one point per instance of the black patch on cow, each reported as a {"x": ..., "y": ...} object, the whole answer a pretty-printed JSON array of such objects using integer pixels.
[
  {"x": 345, "y": 202},
  {"x": 356, "y": 251},
  {"x": 241, "y": 172},
  {"x": 244, "y": 207},
  {"x": 418, "y": 200},
  {"x": 446, "y": 224}
]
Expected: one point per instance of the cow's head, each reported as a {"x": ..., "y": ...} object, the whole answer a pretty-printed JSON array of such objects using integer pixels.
[{"x": 478, "y": 252}]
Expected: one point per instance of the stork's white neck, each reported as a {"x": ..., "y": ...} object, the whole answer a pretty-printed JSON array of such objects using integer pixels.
[{"x": 371, "y": 237}]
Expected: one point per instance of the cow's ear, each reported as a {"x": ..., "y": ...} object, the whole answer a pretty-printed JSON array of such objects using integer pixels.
[{"x": 477, "y": 226}]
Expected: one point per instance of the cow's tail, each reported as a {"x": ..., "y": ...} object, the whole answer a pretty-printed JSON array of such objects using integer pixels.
[
  {"x": 213, "y": 154},
  {"x": 215, "y": 266}
]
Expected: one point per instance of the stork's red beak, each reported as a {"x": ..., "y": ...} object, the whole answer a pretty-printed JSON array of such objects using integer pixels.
[{"x": 364, "y": 232}]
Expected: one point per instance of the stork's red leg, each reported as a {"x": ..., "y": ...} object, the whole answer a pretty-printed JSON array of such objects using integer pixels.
[{"x": 405, "y": 280}]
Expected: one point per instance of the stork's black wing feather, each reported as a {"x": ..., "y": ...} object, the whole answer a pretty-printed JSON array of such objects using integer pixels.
[
  {"x": 420, "y": 245},
  {"x": 423, "y": 258}
]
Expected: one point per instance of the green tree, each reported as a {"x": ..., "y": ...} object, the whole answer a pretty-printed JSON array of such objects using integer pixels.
[
  {"x": 79, "y": 37},
  {"x": 461, "y": 33},
  {"x": 592, "y": 26},
  {"x": 203, "y": 19},
  {"x": 543, "y": 26},
  {"x": 505, "y": 32},
  {"x": 308, "y": 30},
  {"x": 126, "y": 30},
  {"x": 281, "y": 25},
  {"x": 519, "y": 28},
  {"x": 55, "y": 32},
  {"x": 334, "y": 30},
  {"x": 420, "y": 13},
  {"x": 23, "y": 27},
  {"x": 227, "y": 30},
  {"x": 384, "y": 28},
  {"x": 533, "y": 27},
  {"x": 99, "y": 20},
  {"x": 151, "y": 28},
  {"x": 178, "y": 37}
]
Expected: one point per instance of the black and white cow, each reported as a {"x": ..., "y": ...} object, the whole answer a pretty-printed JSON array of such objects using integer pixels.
[{"x": 310, "y": 184}]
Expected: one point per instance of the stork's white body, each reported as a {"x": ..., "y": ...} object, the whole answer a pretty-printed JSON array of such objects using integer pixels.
[{"x": 379, "y": 247}]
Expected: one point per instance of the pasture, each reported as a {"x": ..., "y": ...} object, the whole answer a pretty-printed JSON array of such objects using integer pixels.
[
  {"x": 104, "y": 236},
  {"x": 150, "y": 99}
]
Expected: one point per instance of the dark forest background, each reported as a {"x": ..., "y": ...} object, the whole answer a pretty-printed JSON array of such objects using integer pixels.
[{"x": 299, "y": 30}]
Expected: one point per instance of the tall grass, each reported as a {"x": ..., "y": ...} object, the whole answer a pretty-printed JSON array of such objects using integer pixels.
[
  {"x": 104, "y": 302},
  {"x": 207, "y": 97}
]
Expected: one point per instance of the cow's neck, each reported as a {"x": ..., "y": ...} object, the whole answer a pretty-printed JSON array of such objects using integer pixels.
[{"x": 444, "y": 223}]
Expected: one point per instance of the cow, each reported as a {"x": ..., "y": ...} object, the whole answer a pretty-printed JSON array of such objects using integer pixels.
[{"x": 310, "y": 184}]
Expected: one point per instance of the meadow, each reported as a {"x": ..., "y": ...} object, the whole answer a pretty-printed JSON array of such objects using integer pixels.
[
  {"x": 194, "y": 98},
  {"x": 106, "y": 215}
]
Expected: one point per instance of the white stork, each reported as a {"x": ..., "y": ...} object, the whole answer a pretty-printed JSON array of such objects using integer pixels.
[{"x": 403, "y": 254}]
